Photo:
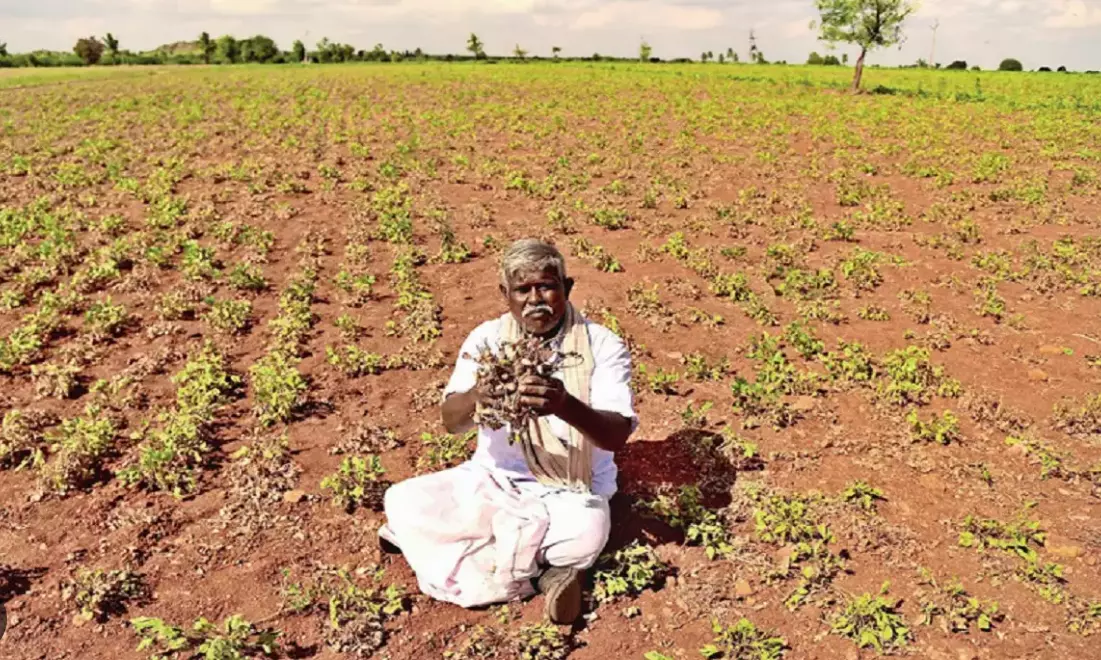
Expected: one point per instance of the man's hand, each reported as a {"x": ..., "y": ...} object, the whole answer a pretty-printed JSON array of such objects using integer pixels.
[{"x": 545, "y": 396}]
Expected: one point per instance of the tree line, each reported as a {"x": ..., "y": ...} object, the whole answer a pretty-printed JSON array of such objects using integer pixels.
[{"x": 866, "y": 24}]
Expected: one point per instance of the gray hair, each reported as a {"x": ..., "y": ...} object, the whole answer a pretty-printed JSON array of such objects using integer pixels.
[{"x": 531, "y": 254}]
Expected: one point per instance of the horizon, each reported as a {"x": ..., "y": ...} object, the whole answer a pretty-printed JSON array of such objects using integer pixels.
[{"x": 1039, "y": 33}]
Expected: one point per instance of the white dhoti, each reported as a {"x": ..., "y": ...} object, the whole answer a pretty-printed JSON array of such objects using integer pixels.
[{"x": 475, "y": 536}]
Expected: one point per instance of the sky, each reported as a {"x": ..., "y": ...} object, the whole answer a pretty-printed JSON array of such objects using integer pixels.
[{"x": 983, "y": 32}]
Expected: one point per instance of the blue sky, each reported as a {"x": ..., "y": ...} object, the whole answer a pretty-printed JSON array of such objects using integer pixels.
[{"x": 1038, "y": 32}]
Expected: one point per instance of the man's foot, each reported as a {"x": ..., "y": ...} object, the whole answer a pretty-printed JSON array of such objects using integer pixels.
[
  {"x": 387, "y": 545},
  {"x": 562, "y": 588}
]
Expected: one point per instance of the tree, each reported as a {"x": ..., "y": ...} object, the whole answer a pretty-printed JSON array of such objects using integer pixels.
[
  {"x": 752, "y": 46},
  {"x": 227, "y": 49},
  {"x": 3, "y": 49},
  {"x": 1061, "y": 69},
  {"x": 734, "y": 58},
  {"x": 722, "y": 58},
  {"x": 206, "y": 45},
  {"x": 1045, "y": 69},
  {"x": 475, "y": 46},
  {"x": 258, "y": 49},
  {"x": 89, "y": 49},
  {"x": 831, "y": 60},
  {"x": 814, "y": 58},
  {"x": 555, "y": 50},
  {"x": 299, "y": 50},
  {"x": 957, "y": 65},
  {"x": 731, "y": 55},
  {"x": 644, "y": 51},
  {"x": 1010, "y": 64},
  {"x": 519, "y": 53},
  {"x": 112, "y": 44},
  {"x": 845, "y": 58},
  {"x": 868, "y": 24}
]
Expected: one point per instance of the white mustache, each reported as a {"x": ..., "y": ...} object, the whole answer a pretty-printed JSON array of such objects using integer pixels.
[{"x": 537, "y": 309}]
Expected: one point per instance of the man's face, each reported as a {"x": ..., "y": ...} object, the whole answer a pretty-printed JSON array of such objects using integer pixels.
[{"x": 537, "y": 299}]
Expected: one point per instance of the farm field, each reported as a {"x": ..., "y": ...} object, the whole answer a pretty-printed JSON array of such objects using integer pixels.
[{"x": 866, "y": 334}]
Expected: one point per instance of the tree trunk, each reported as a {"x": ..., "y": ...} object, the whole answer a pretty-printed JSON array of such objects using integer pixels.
[{"x": 858, "y": 73}]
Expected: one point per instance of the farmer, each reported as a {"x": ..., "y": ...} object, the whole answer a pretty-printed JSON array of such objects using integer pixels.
[{"x": 531, "y": 514}]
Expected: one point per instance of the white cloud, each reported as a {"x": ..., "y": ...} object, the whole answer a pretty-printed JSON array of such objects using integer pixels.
[
  {"x": 244, "y": 7},
  {"x": 1074, "y": 14},
  {"x": 798, "y": 28},
  {"x": 649, "y": 14}
]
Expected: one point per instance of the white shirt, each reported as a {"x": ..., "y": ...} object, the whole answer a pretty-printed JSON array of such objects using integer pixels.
[{"x": 610, "y": 391}]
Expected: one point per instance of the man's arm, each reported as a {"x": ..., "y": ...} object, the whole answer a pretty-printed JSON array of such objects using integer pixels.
[
  {"x": 548, "y": 396},
  {"x": 458, "y": 411}
]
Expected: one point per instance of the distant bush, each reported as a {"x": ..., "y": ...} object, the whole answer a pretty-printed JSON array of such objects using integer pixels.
[
  {"x": 958, "y": 65},
  {"x": 814, "y": 58},
  {"x": 1062, "y": 69},
  {"x": 1045, "y": 69},
  {"x": 831, "y": 60},
  {"x": 1010, "y": 64},
  {"x": 976, "y": 68},
  {"x": 89, "y": 49}
]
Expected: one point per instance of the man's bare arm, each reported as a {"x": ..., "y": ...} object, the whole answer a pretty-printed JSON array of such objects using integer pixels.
[
  {"x": 548, "y": 396},
  {"x": 607, "y": 430},
  {"x": 458, "y": 411}
]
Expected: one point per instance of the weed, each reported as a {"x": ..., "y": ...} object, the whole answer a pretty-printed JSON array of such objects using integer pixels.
[
  {"x": 444, "y": 450},
  {"x": 850, "y": 364},
  {"x": 540, "y": 642},
  {"x": 861, "y": 495},
  {"x": 22, "y": 436},
  {"x": 247, "y": 277},
  {"x": 700, "y": 368},
  {"x": 595, "y": 255},
  {"x": 1084, "y": 617},
  {"x": 229, "y": 316},
  {"x": 1015, "y": 538},
  {"x": 943, "y": 430},
  {"x": 54, "y": 380},
  {"x": 910, "y": 378},
  {"x": 630, "y": 571},
  {"x": 278, "y": 388},
  {"x": 683, "y": 510},
  {"x": 803, "y": 339},
  {"x": 860, "y": 269},
  {"x": 235, "y": 639},
  {"x": 355, "y": 613},
  {"x": 658, "y": 380},
  {"x": 872, "y": 621},
  {"x": 78, "y": 448},
  {"x": 170, "y": 454},
  {"x": 104, "y": 320},
  {"x": 1081, "y": 419},
  {"x": 353, "y": 361},
  {"x": 956, "y": 609},
  {"x": 918, "y": 304},
  {"x": 874, "y": 313},
  {"x": 782, "y": 520},
  {"x": 743, "y": 640},
  {"x": 357, "y": 483},
  {"x": 99, "y": 594}
]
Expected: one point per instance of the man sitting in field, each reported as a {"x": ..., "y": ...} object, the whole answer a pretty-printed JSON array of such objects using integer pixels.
[{"x": 534, "y": 503}]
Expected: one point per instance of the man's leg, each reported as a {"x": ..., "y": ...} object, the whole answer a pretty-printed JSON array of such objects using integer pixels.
[
  {"x": 577, "y": 532},
  {"x": 423, "y": 502},
  {"x": 578, "y": 529}
]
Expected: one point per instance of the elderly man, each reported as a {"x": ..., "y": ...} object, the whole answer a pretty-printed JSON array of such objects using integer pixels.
[{"x": 530, "y": 514}]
